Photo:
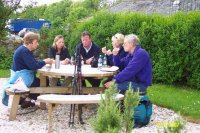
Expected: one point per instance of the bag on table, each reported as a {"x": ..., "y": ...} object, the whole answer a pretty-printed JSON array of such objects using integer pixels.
[
  {"x": 143, "y": 112},
  {"x": 19, "y": 85}
]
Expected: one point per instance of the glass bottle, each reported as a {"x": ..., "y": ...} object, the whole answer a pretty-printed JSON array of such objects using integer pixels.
[
  {"x": 100, "y": 61},
  {"x": 105, "y": 61}
]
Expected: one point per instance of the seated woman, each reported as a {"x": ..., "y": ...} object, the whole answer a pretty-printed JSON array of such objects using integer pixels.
[
  {"x": 117, "y": 43},
  {"x": 58, "y": 47},
  {"x": 24, "y": 65},
  {"x": 137, "y": 67}
]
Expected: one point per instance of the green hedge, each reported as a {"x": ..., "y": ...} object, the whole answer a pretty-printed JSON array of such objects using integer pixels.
[
  {"x": 5, "y": 57},
  {"x": 172, "y": 41}
]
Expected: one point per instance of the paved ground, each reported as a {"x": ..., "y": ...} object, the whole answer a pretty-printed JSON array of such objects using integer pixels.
[{"x": 37, "y": 122}]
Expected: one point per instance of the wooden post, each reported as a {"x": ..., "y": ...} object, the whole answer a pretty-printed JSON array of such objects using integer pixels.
[
  {"x": 14, "y": 107},
  {"x": 43, "y": 83},
  {"x": 50, "y": 110},
  {"x": 43, "y": 80}
]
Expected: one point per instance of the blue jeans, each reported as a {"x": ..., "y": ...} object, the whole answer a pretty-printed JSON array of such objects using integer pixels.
[{"x": 122, "y": 87}]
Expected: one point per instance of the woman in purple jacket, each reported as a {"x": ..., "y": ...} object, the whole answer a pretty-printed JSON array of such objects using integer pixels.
[{"x": 137, "y": 67}]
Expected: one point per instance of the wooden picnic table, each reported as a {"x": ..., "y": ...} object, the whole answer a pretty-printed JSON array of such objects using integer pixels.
[{"x": 66, "y": 71}]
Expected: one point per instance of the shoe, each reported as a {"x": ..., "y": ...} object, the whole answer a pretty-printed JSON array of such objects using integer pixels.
[
  {"x": 21, "y": 100},
  {"x": 58, "y": 83},
  {"x": 27, "y": 104}
]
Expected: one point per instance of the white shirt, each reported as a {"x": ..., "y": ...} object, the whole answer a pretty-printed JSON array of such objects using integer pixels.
[{"x": 87, "y": 50}]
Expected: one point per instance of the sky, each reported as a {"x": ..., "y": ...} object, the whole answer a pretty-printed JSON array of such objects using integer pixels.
[{"x": 40, "y": 2}]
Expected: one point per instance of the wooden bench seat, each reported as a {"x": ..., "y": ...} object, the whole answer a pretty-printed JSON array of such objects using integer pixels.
[
  {"x": 45, "y": 90},
  {"x": 73, "y": 99},
  {"x": 53, "y": 99}
]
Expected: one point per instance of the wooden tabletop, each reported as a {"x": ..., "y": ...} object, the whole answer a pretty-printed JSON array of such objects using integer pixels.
[
  {"x": 74, "y": 99},
  {"x": 68, "y": 70}
]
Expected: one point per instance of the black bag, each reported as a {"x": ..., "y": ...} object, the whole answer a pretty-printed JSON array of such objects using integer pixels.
[
  {"x": 94, "y": 63},
  {"x": 143, "y": 112}
]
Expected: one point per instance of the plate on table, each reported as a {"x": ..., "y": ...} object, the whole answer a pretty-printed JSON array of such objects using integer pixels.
[{"x": 109, "y": 69}]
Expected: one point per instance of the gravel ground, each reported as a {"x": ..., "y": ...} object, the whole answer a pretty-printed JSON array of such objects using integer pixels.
[{"x": 37, "y": 121}]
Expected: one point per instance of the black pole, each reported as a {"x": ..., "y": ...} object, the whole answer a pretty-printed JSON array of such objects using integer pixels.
[
  {"x": 79, "y": 85},
  {"x": 74, "y": 85},
  {"x": 77, "y": 88}
]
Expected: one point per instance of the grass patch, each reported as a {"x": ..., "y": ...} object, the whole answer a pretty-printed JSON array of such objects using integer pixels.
[
  {"x": 4, "y": 73},
  {"x": 180, "y": 99}
]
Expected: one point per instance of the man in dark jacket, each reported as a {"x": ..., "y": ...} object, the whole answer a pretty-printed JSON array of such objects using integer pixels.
[
  {"x": 88, "y": 51},
  {"x": 137, "y": 67}
]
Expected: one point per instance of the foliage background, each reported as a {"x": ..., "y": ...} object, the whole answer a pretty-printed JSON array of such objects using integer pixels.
[{"x": 172, "y": 41}]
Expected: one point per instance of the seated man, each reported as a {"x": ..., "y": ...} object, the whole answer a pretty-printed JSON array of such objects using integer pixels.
[
  {"x": 88, "y": 50},
  {"x": 137, "y": 68}
]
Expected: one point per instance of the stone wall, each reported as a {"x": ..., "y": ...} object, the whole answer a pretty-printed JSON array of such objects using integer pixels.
[
  {"x": 13, "y": 42},
  {"x": 166, "y": 7}
]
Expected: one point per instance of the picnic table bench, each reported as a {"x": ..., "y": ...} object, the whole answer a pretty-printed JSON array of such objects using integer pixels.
[
  {"x": 45, "y": 90},
  {"x": 52, "y": 99}
]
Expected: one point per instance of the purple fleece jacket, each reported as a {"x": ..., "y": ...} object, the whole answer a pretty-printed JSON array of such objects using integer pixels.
[{"x": 137, "y": 67}]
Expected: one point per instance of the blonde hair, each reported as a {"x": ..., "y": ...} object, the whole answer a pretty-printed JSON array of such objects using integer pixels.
[
  {"x": 132, "y": 38},
  {"x": 56, "y": 39},
  {"x": 119, "y": 38},
  {"x": 29, "y": 37}
]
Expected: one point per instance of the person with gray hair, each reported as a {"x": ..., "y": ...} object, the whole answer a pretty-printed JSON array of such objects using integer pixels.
[
  {"x": 137, "y": 67},
  {"x": 25, "y": 65}
]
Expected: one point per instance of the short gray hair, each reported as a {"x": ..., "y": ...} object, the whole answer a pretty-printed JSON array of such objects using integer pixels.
[
  {"x": 30, "y": 37},
  {"x": 132, "y": 38}
]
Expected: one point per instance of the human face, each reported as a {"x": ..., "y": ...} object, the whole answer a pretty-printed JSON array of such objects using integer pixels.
[
  {"x": 114, "y": 43},
  {"x": 34, "y": 45},
  {"x": 127, "y": 46},
  {"x": 60, "y": 43},
  {"x": 86, "y": 41}
]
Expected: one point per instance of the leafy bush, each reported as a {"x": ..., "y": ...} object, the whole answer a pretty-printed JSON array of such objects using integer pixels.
[
  {"x": 172, "y": 41},
  {"x": 131, "y": 101},
  {"x": 109, "y": 118},
  {"x": 5, "y": 58}
]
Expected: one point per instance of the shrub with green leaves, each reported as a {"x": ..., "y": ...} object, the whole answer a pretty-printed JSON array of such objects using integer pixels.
[
  {"x": 172, "y": 41},
  {"x": 131, "y": 100},
  {"x": 5, "y": 58},
  {"x": 108, "y": 118}
]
